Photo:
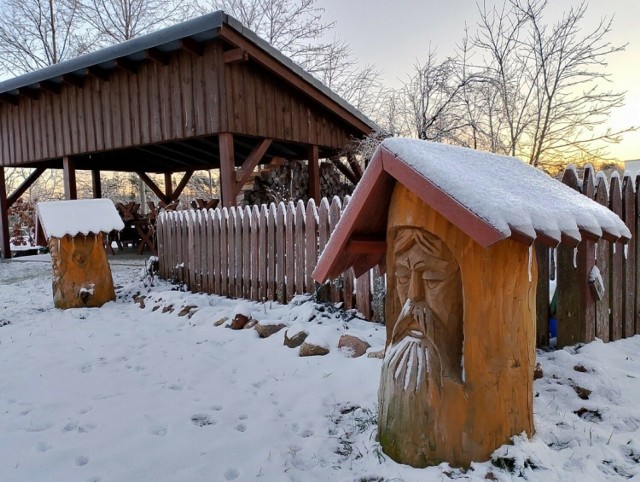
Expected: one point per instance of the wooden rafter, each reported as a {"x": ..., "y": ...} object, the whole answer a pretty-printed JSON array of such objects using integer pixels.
[
  {"x": 345, "y": 170},
  {"x": 192, "y": 46},
  {"x": 72, "y": 79},
  {"x": 250, "y": 163},
  {"x": 29, "y": 92},
  {"x": 235, "y": 55},
  {"x": 26, "y": 184},
  {"x": 127, "y": 65},
  {"x": 153, "y": 186},
  {"x": 9, "y": 99},
  {"x": 181, "y": 185},
  {"x": 157, "y": 56}
]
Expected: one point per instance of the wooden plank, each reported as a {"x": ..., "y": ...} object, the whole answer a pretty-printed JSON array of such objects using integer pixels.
[
  {"x": 542, "y": 296},
  {"x": 238, "y": 252},
  {"x": 166, "y": 107},
  {"x": 89, "y": 116},
  {"x": 224, "y": 251},
  {"x": 334, "y": 216},
  {"x": 281, "y": 216},
  {"x": 191, "y": 251},
  {"x": 105, "y": 109},
  {"x": 323, "y": 234},
  {"x": 198, "y": 96},
  {"x": 177, "y": 114},
  {"x": 155, "y": 116},
  {"x": 246, "y": 253},
  {"x": 82, "y": 121},
  {"x": 211, "y": 75},
  {"x": 311, "y": 244},
  {"x": 233, "y": 244},
  {"x": 629, "y": 264},
  {"x": 250, "y": 102},
  {"x": 299, "y": 245},
  {"x": 602, "y": 262},
  {"x": 68, "y": 115},
  {"x": 617, "y": 258},
  {"x": 254, "y": 252},
  {"x": 636, "y": 231},
  {"x": 122, "y": 125},
  {"x": 263, "y": 253},
  {"x": 130, "y": 81},
  {"x": 272, "y": 253},
  {"x": 575, "y": 304},
  {"x": 290, "y": 263},
  {"x": 144, "y": 90},
  {"x": 363, "y": 295},
  {"x": 186, "y": 89},
  {"x": 215, "y": 249}
]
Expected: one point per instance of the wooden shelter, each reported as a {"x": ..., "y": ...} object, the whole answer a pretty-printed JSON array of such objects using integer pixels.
[
  {"x": 454, "y": 228},
  {"x": 74, "y": 231},
  {"x": 204, "y": 94}
]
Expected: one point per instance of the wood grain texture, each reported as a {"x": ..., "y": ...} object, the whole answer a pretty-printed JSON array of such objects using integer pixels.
[{"x": 467, "y": 421}]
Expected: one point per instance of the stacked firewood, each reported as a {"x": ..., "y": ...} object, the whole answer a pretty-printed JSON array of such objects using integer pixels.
[{"x": 289, "y": 181}]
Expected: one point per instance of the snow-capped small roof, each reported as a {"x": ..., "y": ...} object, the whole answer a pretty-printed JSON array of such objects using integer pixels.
[
  {"x": 488, "y": 196},
  {"x": 80, "y": 216}
]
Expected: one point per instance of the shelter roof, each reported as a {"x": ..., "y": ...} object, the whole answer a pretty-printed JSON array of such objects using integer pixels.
[
  {"x": 81, "y": 216},
  {"x": 488, "y": 196},
  {"x": 198, "y": 30}
]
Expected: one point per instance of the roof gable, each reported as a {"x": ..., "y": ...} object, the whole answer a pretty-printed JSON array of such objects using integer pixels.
[{"x": 488, "y": 196}]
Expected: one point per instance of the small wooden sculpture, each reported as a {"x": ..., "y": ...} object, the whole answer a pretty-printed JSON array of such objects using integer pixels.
[{"x": 81, "y": 272}]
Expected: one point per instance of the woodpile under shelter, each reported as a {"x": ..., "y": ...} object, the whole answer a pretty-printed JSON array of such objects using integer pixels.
[{"x": 204, "y": 94}]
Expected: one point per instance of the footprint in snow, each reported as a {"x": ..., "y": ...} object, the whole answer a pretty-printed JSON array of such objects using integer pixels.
[
  {"x": 231, "y": 474},
  {"x": 217, "y": 408},
  {"x": 38, "y": 427},
  {"x": 175, "y": 386},
  {"x": 82, "y": 460},
  {"x": 86, "y": 368},
  {"x": 202, "y": 420},
  {"x": 84, "y": 410},
  {"x": 306, "y": 433},
  {"x": 42, "y": 446},
  {"x": 241, "y": 427},
  {"x": 156, "y": 427},
  {"x": 74, "y": 426},
  {"x": 243, "y": 417}
]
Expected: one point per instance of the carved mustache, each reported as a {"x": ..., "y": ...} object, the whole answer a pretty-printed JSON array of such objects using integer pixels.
[{"x": 413, "y": 313}]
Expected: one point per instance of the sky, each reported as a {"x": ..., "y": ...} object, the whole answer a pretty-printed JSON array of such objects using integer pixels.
[{"x": 394, "y": 35}]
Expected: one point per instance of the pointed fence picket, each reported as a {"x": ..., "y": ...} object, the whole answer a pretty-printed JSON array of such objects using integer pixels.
[{"x": 259, "y": 253}]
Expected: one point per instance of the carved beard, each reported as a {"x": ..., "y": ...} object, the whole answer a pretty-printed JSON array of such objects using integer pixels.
[{"x": 412, "y": 357}]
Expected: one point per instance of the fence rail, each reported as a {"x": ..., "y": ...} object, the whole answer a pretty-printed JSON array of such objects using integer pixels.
[{"x": 265, "y": 252}]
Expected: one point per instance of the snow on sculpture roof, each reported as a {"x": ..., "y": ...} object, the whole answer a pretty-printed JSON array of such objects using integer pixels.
[
  {"x": 81, "y": 216},
  {"x": 488, "y": 196}
]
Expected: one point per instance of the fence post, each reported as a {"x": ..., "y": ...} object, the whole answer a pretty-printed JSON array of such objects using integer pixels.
[
  {"x": 602, "y": 262},
  {"x": 629, "y": 272},
  {"x": 616, "y": 257},
  {"x": 575, "y": 304},
  {"x": 311, "y": 243},
  {"x": 542, "y": 295}
]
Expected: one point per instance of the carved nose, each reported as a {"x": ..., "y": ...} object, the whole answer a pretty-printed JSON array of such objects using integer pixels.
[{"x": 415, "y": 286}]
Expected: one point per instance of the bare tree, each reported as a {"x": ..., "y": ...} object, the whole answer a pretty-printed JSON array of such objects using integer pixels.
[
  {"x": 550, "y": 79},
  {"x": 38, "y": 33},
  {"x": 115, "y": 21}
]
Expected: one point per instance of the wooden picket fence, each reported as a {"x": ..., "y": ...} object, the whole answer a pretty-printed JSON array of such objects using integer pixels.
[
  {"x": 581, "y": 317},
  {"x": 261, "y": 253}
]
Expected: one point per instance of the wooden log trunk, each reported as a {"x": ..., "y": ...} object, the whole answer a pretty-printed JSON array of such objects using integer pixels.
[
  {"x": 81, "y": 273},
  {"x": 467, "y": 399}
]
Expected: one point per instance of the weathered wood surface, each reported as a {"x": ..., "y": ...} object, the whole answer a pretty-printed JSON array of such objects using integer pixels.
[
  {"x": 81, "y": 272},
  {"x": 259, "y": 253},
  {"x": 542, "y": 297},
  {"x": 462, "y": 419}
]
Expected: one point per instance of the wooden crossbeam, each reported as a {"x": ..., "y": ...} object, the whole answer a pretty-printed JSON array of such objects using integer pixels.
[
  {"x": 345, "y": 170},
  {"x": 235, "y": 55},
  {"x": 72, "y": 79},
  {"x": 29, "y": 92},
  {"x": 153, "y": 186},
  {"x": 181, "y": 185},
  {"x": 127, "y": 65},
  {"x": 251, "y": 162},
  {"x": 52, "y": 87},
  {"x": 26, "y": 184}
]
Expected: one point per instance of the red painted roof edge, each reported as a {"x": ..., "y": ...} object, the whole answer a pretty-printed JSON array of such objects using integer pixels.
[{"x": 473, "y": 226}]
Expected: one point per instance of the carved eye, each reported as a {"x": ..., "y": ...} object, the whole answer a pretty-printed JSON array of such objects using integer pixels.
[
  {"x": 433, "y": 283},
  {"x": 402, "y": 278}
]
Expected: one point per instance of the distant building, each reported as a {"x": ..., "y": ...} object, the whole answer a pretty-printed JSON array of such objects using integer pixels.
[{"x": 633, "y": 166}]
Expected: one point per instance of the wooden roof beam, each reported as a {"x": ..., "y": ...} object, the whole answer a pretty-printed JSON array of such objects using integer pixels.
[
  {"x": 97, "y": 73},
  {"x": 50, "y": 86},
  {"x": 127, "y": 65},
  {"x": 236, "y": 55},
  {"x": 72, "y": 79},
  {"x": 157, "y": 56},
  {"x": 26, "y": 184},
  {"x": 9, "y": 99},
  {"x": 191, "y": 46},
  {"x": 29, "y": 92}
]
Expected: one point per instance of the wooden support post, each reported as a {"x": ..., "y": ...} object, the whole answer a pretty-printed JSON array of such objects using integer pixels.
[
  {"x": 4, "y": 218},
  {"x": 250, "y": 163},
  {"x": 153, "y": 186},
  {"x": 227, "y": 170},
  {"x": 314, "y": 174},
  {"x": 69, "y": 174},
  {"x": 542, "y": 296},
  {"x": 168, "y": 186},
  {"x": 96, "y": 184},
  {"x": 26, "y": 184}
]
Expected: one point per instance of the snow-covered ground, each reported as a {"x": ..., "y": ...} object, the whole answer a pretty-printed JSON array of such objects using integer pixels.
[{"x": 135, "y": 392}]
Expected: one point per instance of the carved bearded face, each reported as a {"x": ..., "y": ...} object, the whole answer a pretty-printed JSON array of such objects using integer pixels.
[{"x": 428, "y": 330}]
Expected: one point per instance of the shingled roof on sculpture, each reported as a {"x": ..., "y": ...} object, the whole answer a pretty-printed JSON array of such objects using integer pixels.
[{"x": 488, "y": 196}]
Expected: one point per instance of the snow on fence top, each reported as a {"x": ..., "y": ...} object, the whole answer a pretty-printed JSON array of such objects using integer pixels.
[
  {"x": 488, "y": 196},
  {"x": 82, "y": 216}
]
